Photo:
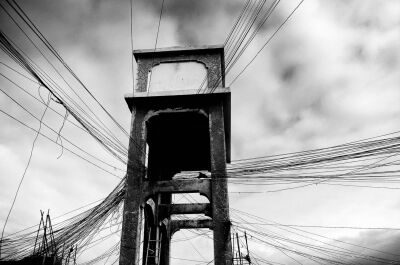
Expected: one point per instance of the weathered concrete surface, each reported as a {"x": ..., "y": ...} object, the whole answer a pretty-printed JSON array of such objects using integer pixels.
[
  {"x": 202, "y": 186},
  {"x": 133, "y": 205},
  {"x": 187, "y": 208},
  {"x": 176, "y": 225},
  {"x": 219, "y": 188},
  {"x": 211, "y": 56},
  {"x": 184, "y": 131}
]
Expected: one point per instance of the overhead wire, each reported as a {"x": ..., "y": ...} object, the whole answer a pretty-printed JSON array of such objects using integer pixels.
[
  {"x": 59, "y": 136},
  {"x": 53, "y": 50},
  {"x": 19, "y": 57},
  {"x": 156, "y": 42},
  {"x": 25, "y": 171},
  {"x": 295, "y": 230},
  {"x": 131, "y": 40},
  {"x": 47, "y": 137},
  {"x": 309, "y": 166},
  {"x": 266, "y": 43},
  {"x": 329, "y": 254},
  {"x": 26, "y": 19}
]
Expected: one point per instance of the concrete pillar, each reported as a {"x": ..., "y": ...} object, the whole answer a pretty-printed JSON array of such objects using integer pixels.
[
  {"x": 133, "y": 204},
  {"x": 219, "y": 188},
  {"x": 165, "y": 246},
  {"x": 164, "y": 229}
]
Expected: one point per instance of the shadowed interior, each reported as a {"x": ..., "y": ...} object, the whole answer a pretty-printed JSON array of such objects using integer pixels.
[{"x": 177, "y": 142}]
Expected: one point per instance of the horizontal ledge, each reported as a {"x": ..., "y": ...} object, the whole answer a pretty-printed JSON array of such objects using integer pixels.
[
  {"x": 202, "y": 186},
  {"x": 190, "y": 224},
  {"x": 187, "y": 208},
  {"x": 183, "y": 92},
  {"x": 179, "y": 49}
]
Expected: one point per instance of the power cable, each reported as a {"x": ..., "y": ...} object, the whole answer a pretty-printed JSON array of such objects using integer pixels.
[
  {"x": 131, "y": 35},
  {"x": 25, "y": 170},
  {"x": 37, "y": 131},
  {"x": 268, "y": 41}
]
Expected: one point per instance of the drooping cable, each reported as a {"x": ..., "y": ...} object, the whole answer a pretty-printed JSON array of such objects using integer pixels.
[
  {"x": 25, "y": 170},
  {"x": 268, "y": 41}
]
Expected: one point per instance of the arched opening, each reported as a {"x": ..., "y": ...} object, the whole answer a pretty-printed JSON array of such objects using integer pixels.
[
  {"x": 192, "y": 246},
  {"x": 178, "y": 141}
]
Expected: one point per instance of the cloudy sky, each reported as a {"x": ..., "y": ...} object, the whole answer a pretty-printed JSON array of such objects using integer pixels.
[{"x": 330, "y": 76}]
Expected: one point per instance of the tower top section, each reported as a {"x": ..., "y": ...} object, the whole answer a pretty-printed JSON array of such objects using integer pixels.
[
  {"x": 169, "y": 81},
  {"x": 188, "y": 69}
]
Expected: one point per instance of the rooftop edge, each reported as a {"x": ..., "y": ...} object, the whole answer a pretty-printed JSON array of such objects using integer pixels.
[{"x": 176, "y": 49}]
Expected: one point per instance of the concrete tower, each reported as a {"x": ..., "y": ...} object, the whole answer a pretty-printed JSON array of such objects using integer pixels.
[{"x": 176, "y": 129}]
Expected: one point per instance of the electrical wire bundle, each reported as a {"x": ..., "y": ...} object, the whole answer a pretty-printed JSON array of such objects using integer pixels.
[
  {"x": 79, "y": 230},
  {"x": 250, "y": 22},
  {"x": 357, "y": 163},
  {"x": 300, "y": 246},
  {"x": 365, "y": 160},
  {"x": 64, "y": 90}
]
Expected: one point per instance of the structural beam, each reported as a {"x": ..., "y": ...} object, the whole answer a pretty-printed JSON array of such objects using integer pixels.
[
  {"x": 186, "y": 208},
  {"x": 202, "y": 186},
  {"x": 176, "y": 225}
]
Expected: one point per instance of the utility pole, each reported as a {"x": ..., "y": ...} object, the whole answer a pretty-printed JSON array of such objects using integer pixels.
[{"x": 176, "y": 129}]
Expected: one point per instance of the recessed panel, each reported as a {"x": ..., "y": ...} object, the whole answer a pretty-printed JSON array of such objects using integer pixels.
[{"x": 177, "y": 76}]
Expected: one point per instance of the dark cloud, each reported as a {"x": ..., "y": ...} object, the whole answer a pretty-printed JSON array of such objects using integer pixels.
[
  {"x": 384, "y": 245},
  {"x": 372, "y": 246},
  {"x": 307, "y": 86},
  {"x": 197, "y": 20},
  {"x": 74, "y": 23}
]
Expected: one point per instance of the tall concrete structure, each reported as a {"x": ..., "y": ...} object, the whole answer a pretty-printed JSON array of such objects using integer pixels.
[{"x": 176, "y": 129}]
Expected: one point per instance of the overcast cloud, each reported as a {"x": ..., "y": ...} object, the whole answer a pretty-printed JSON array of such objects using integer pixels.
[{"x": 330, "y": 76}]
